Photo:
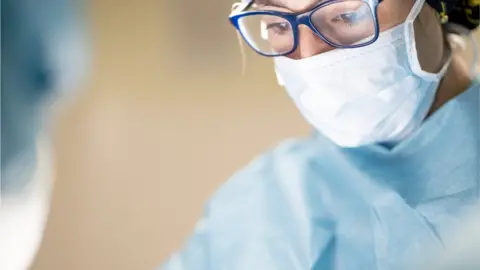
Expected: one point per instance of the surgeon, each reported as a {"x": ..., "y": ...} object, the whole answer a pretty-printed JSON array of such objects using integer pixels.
[{"x": 393, "y": 164}]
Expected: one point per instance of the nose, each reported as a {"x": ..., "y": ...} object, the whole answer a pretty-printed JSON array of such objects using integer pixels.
[{"x": 309, "y": 44}]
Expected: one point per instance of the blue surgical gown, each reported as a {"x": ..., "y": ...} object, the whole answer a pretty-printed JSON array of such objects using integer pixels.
[{"x": 309, "y": 204}]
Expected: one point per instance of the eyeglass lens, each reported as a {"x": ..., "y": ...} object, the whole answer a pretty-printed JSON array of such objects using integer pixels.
[{"x": 343, "y": 23}]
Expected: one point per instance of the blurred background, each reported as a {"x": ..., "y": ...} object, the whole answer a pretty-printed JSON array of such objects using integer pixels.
[{"x": 164, "y": 119}]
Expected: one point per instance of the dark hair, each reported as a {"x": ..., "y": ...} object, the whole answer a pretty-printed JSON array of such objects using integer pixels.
[{"x": 463, "y": 12}]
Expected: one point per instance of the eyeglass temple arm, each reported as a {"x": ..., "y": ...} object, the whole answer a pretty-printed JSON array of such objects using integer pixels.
[{"x": 239, "y": 7}]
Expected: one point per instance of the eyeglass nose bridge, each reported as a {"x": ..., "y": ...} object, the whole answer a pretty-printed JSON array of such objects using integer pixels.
[{"x": 305, "y": 19}]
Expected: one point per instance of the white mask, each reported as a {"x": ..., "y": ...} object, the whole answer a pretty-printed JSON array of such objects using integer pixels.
[{"x": 373, "y": 94}]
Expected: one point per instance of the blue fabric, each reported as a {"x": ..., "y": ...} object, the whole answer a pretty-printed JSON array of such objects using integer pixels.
[{"x": 311, "y": 205}]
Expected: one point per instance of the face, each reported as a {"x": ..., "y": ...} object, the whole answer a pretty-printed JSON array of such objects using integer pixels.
[
  {"x": 377, "y": 87},
  {"x": 390, "y": 13}
]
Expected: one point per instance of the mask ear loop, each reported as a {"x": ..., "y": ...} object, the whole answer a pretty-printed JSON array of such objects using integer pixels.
[{"x": 240, "y": 43}]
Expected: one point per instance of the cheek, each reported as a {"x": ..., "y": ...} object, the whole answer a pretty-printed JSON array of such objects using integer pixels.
[
  {"x": 393, "y": 12},
  {"x": 430, "y": 41}
]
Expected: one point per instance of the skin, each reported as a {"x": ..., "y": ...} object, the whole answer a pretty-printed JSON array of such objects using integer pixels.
[{"x": 432, "y": 47}]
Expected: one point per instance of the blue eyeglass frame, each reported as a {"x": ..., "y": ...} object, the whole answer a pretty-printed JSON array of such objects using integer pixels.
[{"x": 296, "y": 20}]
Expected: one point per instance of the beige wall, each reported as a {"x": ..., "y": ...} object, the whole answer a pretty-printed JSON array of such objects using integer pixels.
[{"x": 165, "y": 119}]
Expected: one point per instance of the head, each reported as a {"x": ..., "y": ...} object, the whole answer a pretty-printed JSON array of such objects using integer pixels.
[
  {"x": 348, "y": 63},
  {"x": 390, "y": 13}
]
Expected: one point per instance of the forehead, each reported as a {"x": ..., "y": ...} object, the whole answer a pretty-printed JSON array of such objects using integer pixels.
[{"x": 294, "y": 5}]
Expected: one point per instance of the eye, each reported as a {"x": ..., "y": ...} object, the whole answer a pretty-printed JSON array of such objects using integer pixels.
[
  {"x": 279, "y": 28},
  {"x": 348, "y": 18},
  {"x": 352, "y": 17}
]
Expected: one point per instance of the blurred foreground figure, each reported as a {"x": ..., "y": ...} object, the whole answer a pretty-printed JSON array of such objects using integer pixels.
[
  {"x": 393, "y": 165},
  {"x": 43, "y": 59}
]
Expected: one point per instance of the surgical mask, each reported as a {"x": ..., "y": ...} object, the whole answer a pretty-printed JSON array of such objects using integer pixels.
[{"x": 373, "y": 94}]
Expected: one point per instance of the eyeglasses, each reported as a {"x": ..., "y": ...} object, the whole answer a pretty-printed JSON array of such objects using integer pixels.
[{"x": 339, "y": 23}]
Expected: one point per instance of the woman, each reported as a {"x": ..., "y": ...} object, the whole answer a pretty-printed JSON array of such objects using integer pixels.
[{"x": 395, "y": 161}]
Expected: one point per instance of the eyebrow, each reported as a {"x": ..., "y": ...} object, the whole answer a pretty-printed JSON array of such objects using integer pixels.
[
  {"x": 275, "y": 3},
  {"x": 282, "y": 4}
]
